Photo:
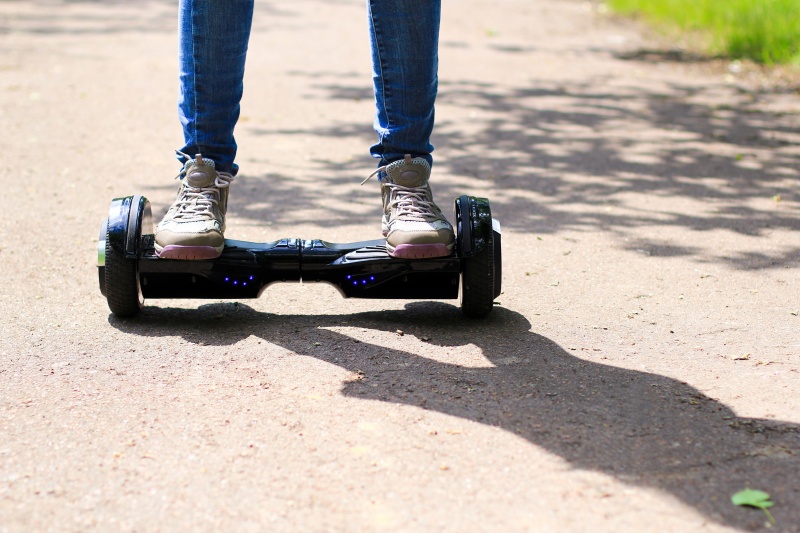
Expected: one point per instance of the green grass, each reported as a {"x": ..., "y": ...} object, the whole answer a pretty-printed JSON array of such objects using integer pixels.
[{"x": 766, "y": 31}]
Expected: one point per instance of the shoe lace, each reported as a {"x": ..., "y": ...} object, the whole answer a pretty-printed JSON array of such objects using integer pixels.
[
  {"x": 410, "y": 203},
  {"x": 198, "y": 202}
]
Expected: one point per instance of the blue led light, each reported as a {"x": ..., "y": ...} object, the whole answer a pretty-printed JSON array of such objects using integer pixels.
[
  {"x": 363, "y": 282},
  {"x": 349, "y": 277},
  {"x": 251, "y": 278},
  {"x": 372, "y": 278},
  {"x": 235, "y": 282},
  {"x": 244, "y": 283},
  {"x": 355, "y": 283},
  {"x": 227, "y": 279}
]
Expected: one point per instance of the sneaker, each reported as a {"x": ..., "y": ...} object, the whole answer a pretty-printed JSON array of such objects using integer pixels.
[
  {"x": 413, "y": 225},
  {"x": 194, "y": 225}
]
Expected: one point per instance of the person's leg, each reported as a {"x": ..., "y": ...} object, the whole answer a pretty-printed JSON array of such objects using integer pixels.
[
  {"x": 213, "y": 40},
  {"x": 214, "y": 36},
  {"x": 404, "y": 36}
]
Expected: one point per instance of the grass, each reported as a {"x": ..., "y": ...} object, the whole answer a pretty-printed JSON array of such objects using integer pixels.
[{"x": 765, "y": 31}]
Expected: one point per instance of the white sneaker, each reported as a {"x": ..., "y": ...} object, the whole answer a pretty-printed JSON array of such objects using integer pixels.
[
  {"x": 413, "y": 225},
  {"x": 194, "y": 225}
]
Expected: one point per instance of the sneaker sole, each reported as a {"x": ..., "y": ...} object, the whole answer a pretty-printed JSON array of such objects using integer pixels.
[
  {"x": 419, "y": 251},
  {"x": 175, "y": 251}
]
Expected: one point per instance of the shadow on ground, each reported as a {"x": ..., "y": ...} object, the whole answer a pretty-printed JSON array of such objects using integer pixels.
[
  {"x": 586, "y": 157},
  {"x": 644, "y": 429},
  {"x": 105, "y": 17}
]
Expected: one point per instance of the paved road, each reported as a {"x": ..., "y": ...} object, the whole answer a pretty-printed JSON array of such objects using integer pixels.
[{"x": 641, "y": 366}]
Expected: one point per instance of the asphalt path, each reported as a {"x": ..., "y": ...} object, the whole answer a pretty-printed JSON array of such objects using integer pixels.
[{"x": 640, "y": 367}]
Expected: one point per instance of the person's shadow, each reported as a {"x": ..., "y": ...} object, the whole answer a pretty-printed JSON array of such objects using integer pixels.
[{"x": 642, "y": 428}]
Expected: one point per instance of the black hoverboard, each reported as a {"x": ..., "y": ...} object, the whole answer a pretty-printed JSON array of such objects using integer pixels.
[{"x": 130, "y": 271}]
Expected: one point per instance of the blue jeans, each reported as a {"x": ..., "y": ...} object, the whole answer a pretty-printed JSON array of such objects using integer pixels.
[{"x": 214, "y": 35}]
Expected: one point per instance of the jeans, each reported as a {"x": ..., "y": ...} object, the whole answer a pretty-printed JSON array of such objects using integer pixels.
[{"x": 214, "y": 35}]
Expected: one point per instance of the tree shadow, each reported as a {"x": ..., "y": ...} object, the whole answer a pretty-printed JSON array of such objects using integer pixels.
[
  {"x": 644, "y": 429},
  {"x": 89, "y": 17},
  {"x": 105, "y": 17},
  {"x": 673, "y": 55},
  {"x": 591, "y": 160}
]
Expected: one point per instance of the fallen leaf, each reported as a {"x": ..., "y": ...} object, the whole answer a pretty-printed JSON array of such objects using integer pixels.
[{"x": 754, "y": 498}]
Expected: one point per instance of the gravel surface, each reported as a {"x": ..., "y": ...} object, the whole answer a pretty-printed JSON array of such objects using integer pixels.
[{"x": 641, "y": 366}]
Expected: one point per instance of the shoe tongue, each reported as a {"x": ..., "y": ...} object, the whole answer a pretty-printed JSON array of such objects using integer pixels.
[
  {"x": 408, "y": 175},
  {"x": 201, "y": 176}
]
